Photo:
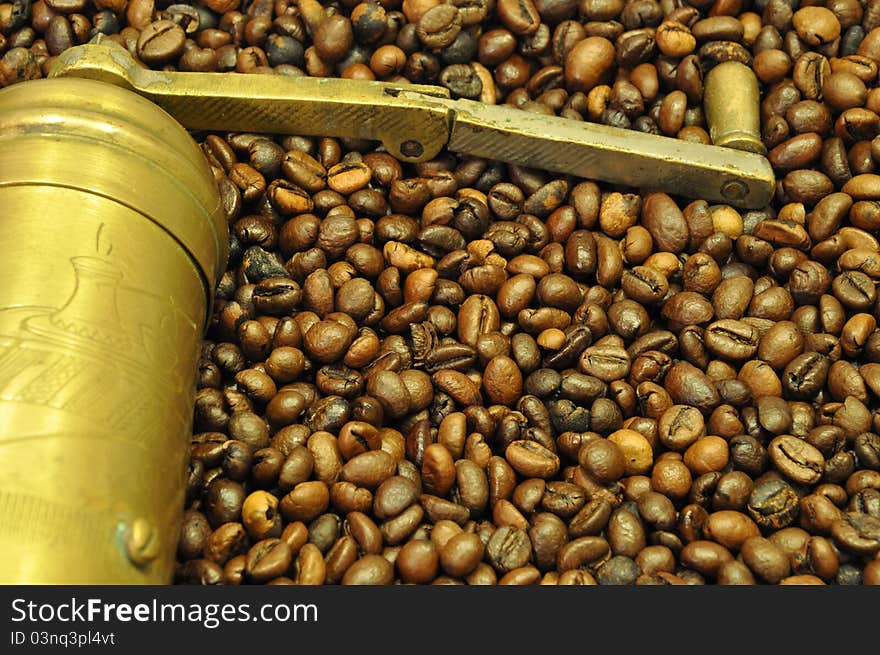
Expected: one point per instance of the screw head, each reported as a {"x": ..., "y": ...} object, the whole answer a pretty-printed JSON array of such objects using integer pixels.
[
  {"x": 411, "y": 148},
  {"x": 734, "y": 190}
]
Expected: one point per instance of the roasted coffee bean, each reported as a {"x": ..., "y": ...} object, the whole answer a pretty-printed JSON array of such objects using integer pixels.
[
  {"x": 858, "y": 533},
  {"x": 867, "y": 450},
  {"x": 657, "y": 510},
  {"x": 268, "y": 559},
  {"x": 160, "y": 42},
  {"x": 531, "y": 459},
  {"x": 805, "y": 375},
  {"x": 619, "y": 570},
  {"x": 369, "y": 570},
  {"x": 508, "y": 548},
  {"x": 461, "y": 554},
  {"x": 625, "y": 533},
  {"x": 796, "y": 459},
  {"x": 765, "y": 559},
  {"x": 730, "y": 339},
  {"x": 773, "y": 504},
  {"x": 462, "y": 81},
  {"x": 637, "y": 451},
  {"x": 606, "y": 362},
  {"x": 588, "y": 63},
  {"x": 729, "y": 528},
  {"x": 439, "y": 26},
  {"x": 580, "y": 552},
  {"x": 644, "y": 285},
  {"x": 547, "y": 534},
  {"x": 417, "y": 562},
  {"x": 603, "y": 460},
  {"x": 705, "y": 557},
  {"x": 502, "y": 380}
]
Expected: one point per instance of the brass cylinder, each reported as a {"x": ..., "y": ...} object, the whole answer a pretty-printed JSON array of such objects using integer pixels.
[
  {"x": 732, "y": 103},
  {"x": 113, "y": 239}
]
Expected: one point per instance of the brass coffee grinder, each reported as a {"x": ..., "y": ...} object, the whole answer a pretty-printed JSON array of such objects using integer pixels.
[{"x": 114, "y": 239}]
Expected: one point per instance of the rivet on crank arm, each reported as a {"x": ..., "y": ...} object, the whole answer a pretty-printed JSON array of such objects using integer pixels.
[{"x": 415, "y": 122}]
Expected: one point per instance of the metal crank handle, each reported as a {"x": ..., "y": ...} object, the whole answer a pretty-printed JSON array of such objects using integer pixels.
[{"x": 415, "y": 122}]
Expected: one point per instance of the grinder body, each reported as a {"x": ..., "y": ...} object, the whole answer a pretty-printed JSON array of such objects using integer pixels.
[{"x": 113, "y": 238}]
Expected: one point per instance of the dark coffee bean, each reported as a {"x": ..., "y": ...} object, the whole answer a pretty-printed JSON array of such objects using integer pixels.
[
  {"x": 200, "y": 572},
  {"x": 867, "y": 450},
  {"x": 805, "y": 375},
  {"x": 644, "y": 285},
  {"x": 462, "y": 81},
  {"x": 773, "y": 504},
  {"x": 619, "y": 570},
  {"x": 194, "y": 535},
  {"x": 508, "y": 548}
]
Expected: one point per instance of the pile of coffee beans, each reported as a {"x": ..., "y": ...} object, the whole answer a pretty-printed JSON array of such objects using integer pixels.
[{"x": 464, "y": 372}]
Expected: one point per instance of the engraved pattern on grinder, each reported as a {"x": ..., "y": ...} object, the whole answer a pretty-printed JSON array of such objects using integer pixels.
[{"x": 58, "y": 356}]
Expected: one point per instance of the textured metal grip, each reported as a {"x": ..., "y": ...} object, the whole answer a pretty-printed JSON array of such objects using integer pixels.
[
  {"x": 305, "y": 106},
  {"x": 621, "y": 156},
  {"x": 410, "y": 130},
  {"x": 415, "y": 122}
]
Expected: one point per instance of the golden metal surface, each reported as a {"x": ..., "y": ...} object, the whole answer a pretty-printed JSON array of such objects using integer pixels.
[
  {"x": 731, "y": 100},
  {"x": 114, "y": 238},
  {"x": 415, "y": 122},
  {"x": 620, "y": 156},
  {"x": 281, "y": 105}
]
